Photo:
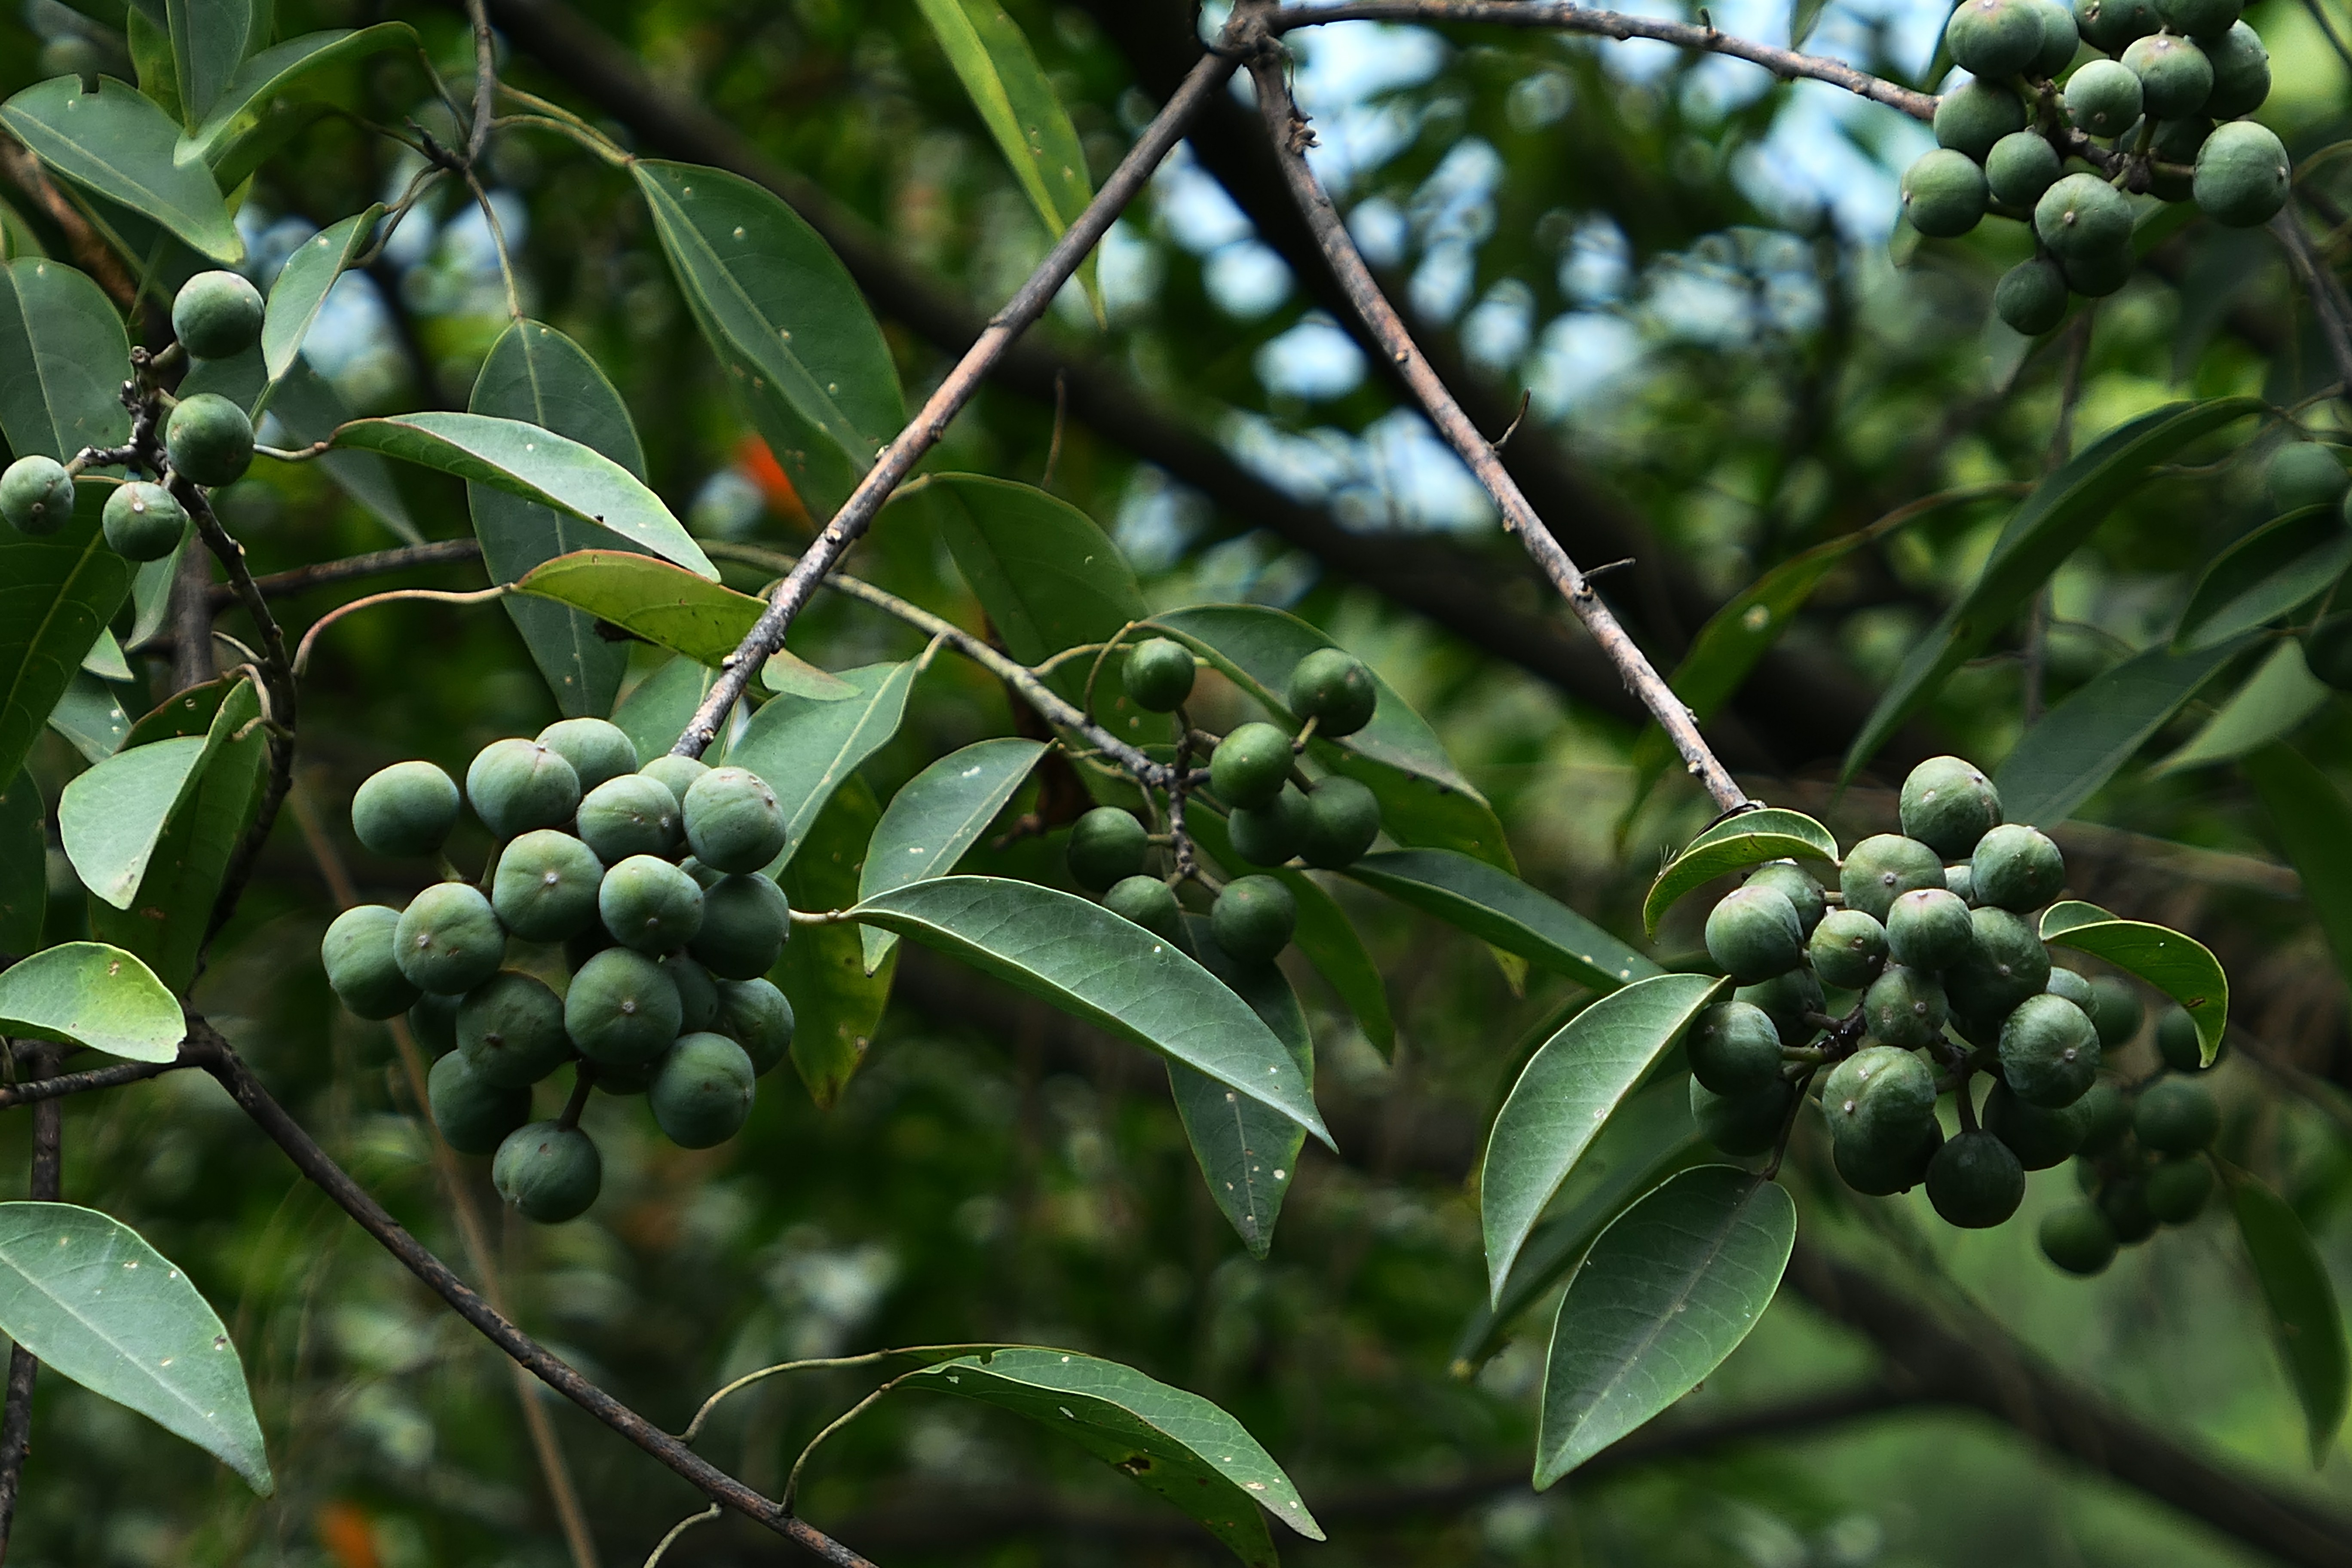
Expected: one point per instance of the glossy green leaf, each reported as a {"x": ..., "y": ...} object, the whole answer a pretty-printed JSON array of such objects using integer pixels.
[
  {"x": 666, "y": 605},
  {"x": 1089, "y": 963},
  {"x": 2272, "y": 703},
  {"x": 63, "y": 359},
  {"x": 538, "y": 465},
  {"x": 311, "y": 409},
  {"x": 936, "y": 816},
  {"x": 1564, "y": 1096},
  {"x": 151, "y": 596},
  {"x": 1048, "y": 577},
  {"x": 1248, "y": 1152},
  {"x": 89, "y": 994},
  {"x": 801, "y": 351},
  {"x": 807, "y": 749},
  {"x": 93, "y": 1302},
  {"x": 1668, "y": 1292},
  {"x": 787, "y": 674},
  {"x": 654, "y": 712},
  {"x": 277, "y": 70},
  {"x": 105, "y": 659},
  {"x": 23, "y": 866},
  {"x": 1167, "y": 1440},
  {"x": 2048, "y": 527},
  {"x": 1498, "y": 908},
  {"x": 2180, "y": 966},
  {"x": 300, "y": 291},
  {"x": 2078, "y": 745},
  {"x": 210, "y": 38},
  {"x": 150, "y": 38},
  {"x": 1750, "y": 838},
  {"x": 837, "y": 1003},
  {"x": 2269, "y": 573},
  {"x": 2312, "y": 825},
  {"x": 55, "y": 594},
  {"x": 112, "y": 817},
  {"x": 119, "y": 144},
  {"x": 90, "y": 718},
  {"x": 2307, "y": 1326}
]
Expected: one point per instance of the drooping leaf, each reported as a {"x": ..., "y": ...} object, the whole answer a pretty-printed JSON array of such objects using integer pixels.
[
  {"x": 655, "y": 712},
  {"x": 112, "y": 817},
  {"x": 2272, "y": 703},
  {"x": 1166, "y": 1439},
  {"x": 90, "y": 994},
  {"x": 837, "y": 1004},
  {"x": 55, "y": 594},
  {"x": 63, "y": 359},
  {"x": 2271, "y": 572},
  {"x": 787, "y": 674},
  {"x": 2313, "y": 826},
  {"x": 666, "y": 605},
  {"x": 105, "y": 659},
  {"x": 151, "y": 596},
  {"x": 302, "y": 285},
  {"x": 210, "y": 38},
  {"x": 1498, "y": 908},
  {"x": 311, "y": 409},
  {"x": 278, "y": 69},
  {"x": 117, "y": 142},
  {"x": 2304, "y": 1321},
  {"x": 1247, "y": 1153},
  {"x": 1566, "y": 1093},
  {"x": 1047, "y": 575},
  {"x": 936, "y": 816},
  {"x": 1668, "y": 1292},
  {"x": 24, "y": 866},
  {"x": 90, "y": 718},
  {"x": 2078, "y": 745},
  {"x": 1750, "y": 838},
  {"x": 807, "y": 749},
  {"x": 2180, "y": 966},
  {"x": 93, "y": 1302},
  {"x": 1089, "y": 963}
]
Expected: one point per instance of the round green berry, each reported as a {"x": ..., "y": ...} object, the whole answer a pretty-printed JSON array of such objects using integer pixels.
[
  {"x": 745, "y": 923},
  {"x": 544, "y": 888},
  {"x": 216, "y": 315},
  {"x": 2031, "y": 297},
  {"x": 649, "y": 904},
  {"x": 2016, "y": 867},
  {"x": 2242, "y": 72},
  {"x": 2125, "y": 1204},
  {"x": 2048, "y": 1051},
  {"x": 2177, "y": 1041},
  {"x": 623, "y": 1008},
  {"x": 1929, "y": 929},
  {"x": 1948, "y": 804},
  {"x": 1881, "y": 1172},
  {"x": 1905, "y": 1007},
  {"x": 674, "y": 773},
  {"x": 208, "y": 439},
  {"x": 2174, "y": 1117},
  {"x": 2060, "y": 40},
  {"x": 434, "y": 1021},
  {"x": 2008, "y": 964},
  {"x": 37, "y": 495},
  {"x": 547, "y": 1172},
  {"x": 2106, "y": 1117},
  {"x": 1160, "y": 674},
  {"x": 473, "y": 1114},
  {"x": 2020, "y": 166},
  {"x": 697, "y": 994},
  {"x": 1335, "y": 689},
  {"x": 2117, "y": 1012},
  {"x": 2242, "y": 174},
  {"x": 2175, "y": 77},
  {"x": 143, "y": 522},
  {"x": 1742, "y": 1124},
  {"x": 1994, "y": 38},
  {"x": 2112, "y": 24},
  {"x": 629, "y": 815},
  {"x": 1944, "y": 194},
  {"x": 1975, "y": 1181},
  {"x": 2081, "y": 215},
  {"x": 1790, "y": 1001},
  {"x": 1973, "y": 116},
  {"x": 2039, "y": 1136},
  {"x": 701, "y": 1093},
  {"x": 407, "y": 809},
  {"x": 1250, "y": 765},
  {"x": 1753, "y": 934},
  {"x": 362, "y": 966},
  {"x": 510, "y": 1030},
  {"x": 1880, "y": 1096},
  {"x": 732, "y": 821},
  {"x": 449, "y": 939},
  {"x": 1253, "y": 918},
  {"x": 1796, "y": 884},
  {"x": 597, "y": 749},
  {"x": 1882, "y": 869},
  {"x": 1146, "y": 901},
  {"x": 1271, "y": 834},
  {"x": 1343, "y": 817},
  {"x": 1733, "y": 1050},
  {"x": 1106, "y": 845},
  {"x": 2078, "y": 1239},
  {"x": 517, "y": 785},
  {"x": 757, "y": 1017},
  {"x": 2176, "y": 1190},
  {"x": 1847, "y": 948}
]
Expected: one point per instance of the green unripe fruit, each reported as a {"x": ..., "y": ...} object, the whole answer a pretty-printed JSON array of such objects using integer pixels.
[
  {"x": 2106, "y": 1117},
  {"x": 1733, "y": 1050},
  {"x": 1881, "y": 1097},
  {"x": 745, "y": 922},
  {"x": 2112, "y": 24},
  {"x": 756, "y": 1016},
  {"x": 1881, "y": 1173},
  {"x": 1743, "y": 1124},
  {"x": 1961, "y": 883},
  {"x": 2077, "y": 989},
  {"x": 2008, "y": 965},
  {"x": 1847, "y": 948},
  {"x": 2118, "y": 1013},
  {"x": 362, "y": 966},
  {"x": 623, "y": 1008},
  {"x": 1975, "y": 1181},
  {"x": 2242, "y": 174},
  {"x": 549, "y": 1172},
  {"x": 1106, "y": 845},
  {"x": 449, "y": 940},
  {"x": 2124, "y": 1204},
  {"x": 37, "y": 495},
  {"x": 1928, "y": 928},
  {"x": 1160, "y": 674},
  {"x": 434, "y": 1021},
  {"x": 697, "y": 994},
  {"x": 2306, "y": 473},
  {"x": 1796, "y": 884},
  {"x": 1882, "y": 869},
  {"x": 2176, "y": 1190},
  {"x": 1905, "y": 1007},
  {"x": 1146, "y": 901},
  {"x": 517, "y": 785},
  {"x": 1250, "y": 765},
  {"x": 732, "y": 821},
  {"x": 1973, "y": 116},
  {"x": 2049, "y": 1052},
  {"x": 2242, "y": 72},
  {"x": 474, "y": 1115},
  {"x": 631, "y": 815},
  {"x": 216, "y": 315},
  {"x": 1343, "y": 817},
  {"x": 1253, "y": 918},
  {"x": 1788, "y": 999},
  {"x": 597, "y": 749},
  {"x": 2039, "y": 1137},
  {"x": 208, "y": 439},
  {"x": 2082, "y": 214},
  {"x": 650, "y": 905},
  {"x": 1333, "y": 688},
  {"x": 2098, "y": 274},
  {"x": 674, "y": 773},
  {"x": 2017, "y": 868},
  {"x": 2020, "y": 167},
  {"x": 701, "y": 1093},
  {"x": 2200, "y": 19},
  {"x": 1753, "y": 934},
  {"x": 2078, "y": 1239},
  {"x": 2030, "y": 298},
  {"x": 2175, "y": 77},
  {"x": 2103, "y": 97},
  {"x": 1994, "y": 38},
  {"x": 407, "y": 808},
  {"x": 1271, "y": 834},
  {"x": 544, "y": 888},
  {"x": 2174, "y": 1117},
  {"x": 143, "y": 522},
  {"x": 510, "y": 1030},
  {"x": 2060, "y": 41},
  {"x": 1947, "y": 805},
  {"x": 2327, "y": 651},
  {"x": 2177, "y": 1041},
  {"x": 1944, "y": 193}
]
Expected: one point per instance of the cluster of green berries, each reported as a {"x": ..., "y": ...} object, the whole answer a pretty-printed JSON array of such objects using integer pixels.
[
  {"x": 1922, "y": 967},
  {"x": 2141, "y": 111},
  {"x": 207, "y": 438},
  {"x": 654, "y": 880},
  {"x": 1275, "y": 814},
  {"x": 2141, "y": 1158}
]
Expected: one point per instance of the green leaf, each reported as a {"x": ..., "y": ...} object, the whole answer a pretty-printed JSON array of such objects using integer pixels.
[
  {"x": 23, "y": 866},
  {"x": 2312, "y": 826},
  {"x": 2180, "y": 966},
  {"x": 2272, "y": 703},
  {"x": 150, "y": 40},
  {"x": 119, "y": 143},
  {"x": 1750, "y": 838},
  {"x": 89, "y": 994},
  {"x": 1669, "y": 1291},
  {"x": 55, "y": 594},
  {"x": 105, "y": 659},
  {"x": 666, "y": 605},
  {"x": 1048, "y": 577},
  {"x": 311, "y": 409},
  {"x": 806, "y": 748},
  {"x": 936, "y": 816},
  {"x": 112, "y": 817},
  {"x": 837, "y": 1004},
  {"x": 1167, "y": 1440},
  {"x": 1565, "y": 1094},
  {"x": 300, "y": 291},
  {"x": 63, "y": 360},
  {"x": 1089, "y": 963},
  {"x": 90, "y": 718},
  {"x": 2052, "y": 522},
  {"x": 1247, "y": 1153},
  {"x": 801, "y": 351},
  {"x": 151, "y": 596},
  {"x": 537, "y": 464},
  {"x": 93, "y": 1302},
  {"x": 787, "y": 674},
  {"x": 2309, "y": 1330},
  {"x": 278, "y": 69},
  {"x": 1496, "y": 907},
  {"x": 2271, "y": 572},
  {"x": 210, "y": 38},
  {"x": 2078, "y": 745},
  {"x": 655, "y": 712}
]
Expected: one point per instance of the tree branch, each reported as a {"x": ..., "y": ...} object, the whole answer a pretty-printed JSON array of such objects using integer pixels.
[
  {"x": 48, "y": 1185},
  {"x": 375, "y": 564},
  {"x": 40, "y": 1091}
]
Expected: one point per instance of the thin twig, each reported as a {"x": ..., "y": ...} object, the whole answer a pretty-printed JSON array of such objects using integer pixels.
[
  {"x": 681, "y": 1528},
  {"x": 48, "y": 1185},
  {"x": 428, "y": 595},
  {"x": 34, "y": 1092},
  {"x": 375, "y": 564},
  {"x": 2327, "y": 299},
  {"x": 694, "y": 1427},
  {"x": 792, "y": 1481},
  {"x": 485, "y": 82}
]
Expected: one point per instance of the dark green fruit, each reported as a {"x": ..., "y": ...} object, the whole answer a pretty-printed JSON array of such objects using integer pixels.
[
  {"x": 1947, "y": 805},
  {"x": 37, "y": 495},
  {"x": 1253, "y": 918},
  {"x": 2200, "y": 19},
  {"x": 674, "y": 773},
  {"x": 1928, "y": 928},
  {"x": 2016, "y": 867},
  {"x": 2098, "y": 274},
  {"x": 2009, "y": 964},
  {"x": 1106, "y": 845},
  {"x": 2176, "y": 1190},
  {"x": 2327, "y": 651},
  {"x": 1753, "y": 934},
  {"x": 1343, "y": 817},
  {"x": 623, "y": 1008},
  {"x": 2125, "y": 1204},
  {"x": 208, "y": 439},
  {"x": 2242, "y": 173},
  {"x": 1250, "y": 765},
  {"x": 2048, "y": 1051},
  {"x": 2078, "y": 1239},
  {"x": 216, "y": 315},
  {"x": 510, "y": 1030},
  {"x": 650, "y": 905},
  {"x": 755, "y": 1015},
  {"x": 449, "y": 940},
  {"x": 544, "y": 888},
  {"x": 2118, "y": 1015},
  {"x": 597, "y": 749},
  {"x": 361, "y": 965},
  {"x": 1160, "y": 674},
  {"x": 702, "y": 1092},
  {"x": 1975, "y": 1181},
  {"x": 1881, "y": 1097},
  {"x": 2060, "y": 41},
  {"x": 2242, "y": 72},
  {"x": 517, "y": 785},
  {"x": 2103, "y": 97},
  {"x": 1881, "y": 868},
  {"x": 2078, "y": 990},
  {"x": 2306, "y": 473},
  {"x": 434, "y": 1021},
  {"x": 1788, "y": 1000},
  {"x": 407, "y": 808},
  {"x": 1974, "y": 115},
  {"x": 732, "y": 821},
  {"x": 2020, "y": 167},
  {"x": 1796, "y": 884},
  {"x": 2039, "y": 1137},
  {"x": 1847, "y": 948},
  {"x": 745, "y": 922},
  {"x": 1960, "y": 882},
  {"x": 2177, "y": 1041},
  {"x": 1146, "y": 901},
  {"x": 2175, "y": 77},
  {"x": 1944, "y": 193},
  {"x": 143, "y": 522},
  {"x": 2112, "y": 24},
  {"x": 2031, "y": 297},
  {"x": 2174, "y": 1117},
  {"x": 547, "y": 1172},
  {"x": 1905, "y": 1007},
  {"x": 1994, "y": 38},
  {"x": 1746, "y": 1124},
  {"x": 1733, "y": 1050},
  {"x": 1881, "y": 1173},
  {"x": 631, "y": 815},
  {"x": 474, "y": 1115},
  {"x": 2106, "y": 1117},
  {"x": 1333, "y": 688},
  {"x": 697, "y": 994},
  {"x": 1271, "y": 834},
  {"x": 2081, "y": 215}
]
